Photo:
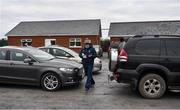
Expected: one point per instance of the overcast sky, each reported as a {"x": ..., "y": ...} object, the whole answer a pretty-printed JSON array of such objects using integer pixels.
[{"x": 14, "y": 11}]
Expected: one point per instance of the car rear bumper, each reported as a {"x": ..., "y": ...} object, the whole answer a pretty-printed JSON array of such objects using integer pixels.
[{"x": 126, "y": 76}]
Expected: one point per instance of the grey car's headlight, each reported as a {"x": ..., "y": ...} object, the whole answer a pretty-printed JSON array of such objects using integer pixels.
[
  {"x": 66, "y": 69},
  {"x": 79, "y": 61}
]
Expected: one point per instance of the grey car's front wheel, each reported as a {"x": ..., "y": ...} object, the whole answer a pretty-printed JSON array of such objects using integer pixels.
[
  {"x": 50, "y": 82},
  {"x": 152, "y": 86}
]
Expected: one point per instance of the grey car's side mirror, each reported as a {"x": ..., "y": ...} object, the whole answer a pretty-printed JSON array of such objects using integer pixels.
[{"x": 28, "y": 60}]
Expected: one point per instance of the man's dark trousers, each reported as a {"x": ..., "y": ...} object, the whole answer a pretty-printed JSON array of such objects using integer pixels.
[{"x": 88, "y": 67}]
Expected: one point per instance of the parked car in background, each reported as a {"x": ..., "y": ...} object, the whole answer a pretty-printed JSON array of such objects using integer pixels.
[
  {"x": 115, "y": 48},
  {"x": 31, "y": 66},
  {"x": 99, "y": 50},
  {"x": 65, "y": 53},
  {"x": 151, "y": 64}
]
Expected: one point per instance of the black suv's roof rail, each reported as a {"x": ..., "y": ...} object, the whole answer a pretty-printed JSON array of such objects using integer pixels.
[
  {"x": 146, "y": 35},
  {"x": 137, "y": 36}
]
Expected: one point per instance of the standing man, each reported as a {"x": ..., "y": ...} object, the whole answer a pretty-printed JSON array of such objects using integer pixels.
[{"x": 88, "y": 54}]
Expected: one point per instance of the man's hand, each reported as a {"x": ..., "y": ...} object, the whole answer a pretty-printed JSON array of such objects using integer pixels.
[
  {"x": 84, "y": 56},
  {"x": 89, "y": 55}
]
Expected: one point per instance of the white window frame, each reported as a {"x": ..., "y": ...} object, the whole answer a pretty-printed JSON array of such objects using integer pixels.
[
  {"x": 75, "y": 40},
  {"x": 25, "y": 40}
]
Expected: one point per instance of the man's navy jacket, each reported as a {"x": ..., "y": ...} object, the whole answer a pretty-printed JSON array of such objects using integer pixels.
[{"x": 88, "y": 52}]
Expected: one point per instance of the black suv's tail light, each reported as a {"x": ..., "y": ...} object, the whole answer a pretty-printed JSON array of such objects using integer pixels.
[{"x": 123, "y": 56}]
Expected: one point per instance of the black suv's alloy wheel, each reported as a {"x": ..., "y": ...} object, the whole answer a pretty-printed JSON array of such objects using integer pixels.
[
  {"x": 152, "y": 86},
  {"x": 50, "y": 82}
]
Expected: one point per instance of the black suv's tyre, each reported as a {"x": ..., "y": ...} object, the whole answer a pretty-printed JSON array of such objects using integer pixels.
[
  {"x": 50, "y": 82},
  {"x": 152, "y": 86}
]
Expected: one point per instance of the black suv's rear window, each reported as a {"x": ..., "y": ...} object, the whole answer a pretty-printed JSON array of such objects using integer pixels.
[
  {"x": 148, "y": 47},
  {"x": 173, "y": 47}
]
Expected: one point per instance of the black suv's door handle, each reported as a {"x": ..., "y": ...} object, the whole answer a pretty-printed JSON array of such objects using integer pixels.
[
  {"x": 167, "y": 59},
  {"x": 12, "y": 64}
]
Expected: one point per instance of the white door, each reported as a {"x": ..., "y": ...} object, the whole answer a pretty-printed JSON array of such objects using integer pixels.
[{"x": 49, "y": 42}]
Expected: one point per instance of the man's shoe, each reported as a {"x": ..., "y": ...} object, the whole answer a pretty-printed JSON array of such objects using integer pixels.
[
  {"x": 93, "y": 83},
  {"x": 92, "y": 86},
  {"x": 87, "y": 88}
]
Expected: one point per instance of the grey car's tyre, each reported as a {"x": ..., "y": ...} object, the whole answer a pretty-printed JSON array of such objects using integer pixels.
[
  {"x": 50, "y": 82},
  {"x": 152, "y": 86}
]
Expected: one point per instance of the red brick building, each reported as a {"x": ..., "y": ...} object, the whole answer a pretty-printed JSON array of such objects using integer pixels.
[
  {"x": 67, "y": 33},
  {"x": 128, "y": 29}
]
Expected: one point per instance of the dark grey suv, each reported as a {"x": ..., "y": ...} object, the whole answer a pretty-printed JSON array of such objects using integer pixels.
[
  {"x": 31, "y": 66},
  {"x": 151, "y": 64}
]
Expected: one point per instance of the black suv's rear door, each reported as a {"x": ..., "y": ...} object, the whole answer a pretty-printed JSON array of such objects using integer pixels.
[
  {"x": 145, "y": 51},
  {"x": 172, "y": 59}
]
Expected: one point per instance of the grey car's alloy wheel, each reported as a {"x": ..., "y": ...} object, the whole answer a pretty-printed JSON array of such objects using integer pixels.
[
  {"x": 50, "y": 82},
  {"x": 152, "y": 86}
]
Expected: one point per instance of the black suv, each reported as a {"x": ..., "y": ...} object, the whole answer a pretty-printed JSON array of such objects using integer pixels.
[{"x": 151, "y": 64}]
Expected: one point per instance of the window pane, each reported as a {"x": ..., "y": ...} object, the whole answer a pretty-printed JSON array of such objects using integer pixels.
[
  {"x": 72, "y": 43},
  {"x": 72, "y": 40},
  {"x": 148, "y": 47},
  {"x": 75, "y": 42},
  {"x": 17, "y": 56},
  {"x": 53, "y": 42},
  {"x": 23, "y": 40},
  {"x": 78, "y": 40},
  {"x": 26, "y": 42},
  {"x": 78, "y": 43},
  {"x": 2, "y": 55},
  {"x": 173, "y": 47},
  {"x": 29, "y": 40},
  {"x": 29, "y": 43},
  {"x": 58, "y": 52}
]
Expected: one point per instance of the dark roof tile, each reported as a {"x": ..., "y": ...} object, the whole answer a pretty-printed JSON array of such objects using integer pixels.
[
  {"x": 145, "y": 28},
  {"x": 55, "y": 28}
]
